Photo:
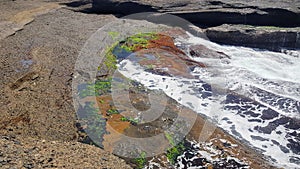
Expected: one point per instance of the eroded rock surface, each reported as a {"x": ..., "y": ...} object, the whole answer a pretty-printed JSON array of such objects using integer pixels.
[
  {"x": 36, "y": 103},
  {"x": 267, "y": 37},
  {"x": 37, "y": 125},
  {"x": 149, "y": 55},
  {"x": 213, "y": 13},
  {"x": 274, "y": 19},
  {"x": 33, "y": 153}
]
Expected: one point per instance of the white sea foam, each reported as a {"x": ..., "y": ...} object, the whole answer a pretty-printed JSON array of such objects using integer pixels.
[{"x": 248, "y": 70}]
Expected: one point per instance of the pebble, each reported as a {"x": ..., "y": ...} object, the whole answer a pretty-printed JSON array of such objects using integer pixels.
[
  {"x": 35, "y": 76},
  {"x": 3, "y": 160},
  {"x": 28, "y": 166}
]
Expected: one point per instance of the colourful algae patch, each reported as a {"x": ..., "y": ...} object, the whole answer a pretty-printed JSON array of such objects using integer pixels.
[
  {"x": 138, "y": 41},
  {"x": 154, "y": 44},
  {"x": 113, "y": 119}
]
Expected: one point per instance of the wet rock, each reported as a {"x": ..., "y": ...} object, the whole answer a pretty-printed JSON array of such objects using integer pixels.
[
  {"x": 284, "y": 149},
  {"x": 295, "y": 160},
  {"x": 267, "y": 130},
  {"x": 160, "y": 55},
  {"x": 294, "y": 146},
  {"x": 124, "y": 8},
  {"x": 210, "y": 13},
  {"x": 231, "y": 163},
  {"x": 213, "y": 13},
  {"x": 206, "y": 155},
  {"x": 270, "y": 38},
  {"x": 259, "y": 138},
  {"x": 251, "y": 113},
  {"x": 165, "y": 63},
  {"x": 203, "y": 52},
  {"x": 269, "y": 114},
  {"x": 293, "y": 124},
  {"x": 275, "y": 142}
]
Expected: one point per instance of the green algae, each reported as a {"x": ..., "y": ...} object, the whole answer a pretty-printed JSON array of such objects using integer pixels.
[
  {"x": 138, "y": 41},
  {"x": 99, "y": 88},
  {"x": 176, "y": 149},
  {"x": 95, "y": 123},
  {"x": 141, "y": 161},
  {"x": 110, "y": 60},
  {"x": 112, "y": 111}
]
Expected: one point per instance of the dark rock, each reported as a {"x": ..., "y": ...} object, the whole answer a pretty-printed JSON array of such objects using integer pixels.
[
  {"x": 294, "y": 146},
  {"x": 204, "y": 52},
  {"x": 255, "y": 120},
  {"x": 212, "y": 13},
  {"x": 117, "y": 7},
  {"x": 228, "y": 164},
  {"x": 227, "y": 144},
  {"x": 266, "y": 130},
  {"x": 275, "y": 142},
  {"x": 293, "y": 124},
  {"x": 270, "y": 38},
  {"x": 209, "y": 13},
  {"x": 295, "y": 134},
  {"x": 295, "y": 160},
  {"x": 259, "y": 138},
  {"x": 284, "y": 149},
  {"x": 281, "y": 121},
  {"x": 269, "y": 114},
  {"x": 251, "y": 113},
  {"x": 253, "y": 17}
]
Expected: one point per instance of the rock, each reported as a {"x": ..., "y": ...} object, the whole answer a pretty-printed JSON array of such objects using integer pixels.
[
  {"x": 204, "y": 52},
  {"x": 3, "y": 161},
  {"x": 270, "y": 38},
  {"x": 161, "y": 56},
  {"x": 166, "y": 63},
  {"x": 28, "y": 166},
  {"x": 212, "y": 12},
  {"x": 124, "y": 8},
  {"x": 34, "y": 119},
  {"x": 47, "y": 112},
  {"x": 56, "y": 154},
  {"x": 11, "y": 22},
  {"x": 164, "y": 57}
]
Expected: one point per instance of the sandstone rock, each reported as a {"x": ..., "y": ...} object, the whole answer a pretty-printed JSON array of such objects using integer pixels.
[{"x": 34, "y": 153}]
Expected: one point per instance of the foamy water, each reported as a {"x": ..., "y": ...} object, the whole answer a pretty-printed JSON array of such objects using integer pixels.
[{"x": 262, "y": 104}]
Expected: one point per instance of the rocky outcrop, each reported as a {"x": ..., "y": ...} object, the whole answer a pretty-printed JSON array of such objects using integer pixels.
[
  {"x": 210, "y": 13},
  {"x": 158, "y": 54},
  {"x": 36, "y": 102},
  {"x": 270, "y": 38},
  {"x": 13, "y": 20},
  {"x": 36, "y": 73},
  {"x": 120, "y": 8},
  {"x": 33, "y": 153}
]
